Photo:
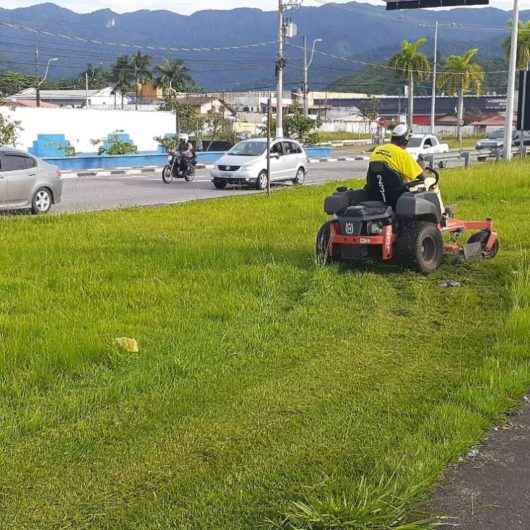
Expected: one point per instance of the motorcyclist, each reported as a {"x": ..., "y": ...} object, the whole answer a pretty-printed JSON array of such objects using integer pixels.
[
  {"x": 392, "y": 167},
  {"x": 187, "y": 154}
]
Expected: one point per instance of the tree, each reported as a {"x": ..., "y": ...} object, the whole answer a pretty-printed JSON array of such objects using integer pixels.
[
  {"x": 173, "y": 75},
  {"x": 142, "y": 72},
  {"x": 460, "y": 75},
  {"x": 9, "y": 130},
  {"x": 13, "y": 82},
  {"x": 123, "y": 76},
  {"x": 523, "y": 45},
  {"x": 187, "y": 116},
  {"x": 411, "y": 65},
  {"x": 98, "y": 77}
]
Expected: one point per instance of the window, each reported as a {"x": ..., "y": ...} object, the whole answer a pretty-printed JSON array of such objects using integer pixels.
[
  {"x": 288, "y": 148},
  {"x": 16, "y": 162},
  {"x": 249, "y": 148},
  {"x": 428, "y": 143},
  {"x": 296, "y": 148},
  {"x": 276, "y": 149}
]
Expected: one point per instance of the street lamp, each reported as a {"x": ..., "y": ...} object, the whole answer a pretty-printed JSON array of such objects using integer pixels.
[
  {"x": 307, "y": 66},
  {"x": 43, "y": 80}
]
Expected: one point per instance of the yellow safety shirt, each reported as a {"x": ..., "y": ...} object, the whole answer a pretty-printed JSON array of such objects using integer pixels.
[{"x": 397, "y": 159}]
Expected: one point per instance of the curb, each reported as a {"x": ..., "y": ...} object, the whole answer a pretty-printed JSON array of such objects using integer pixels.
[
  {"x": 123, "y": 172},
  {"x": 118, "y": 172}
]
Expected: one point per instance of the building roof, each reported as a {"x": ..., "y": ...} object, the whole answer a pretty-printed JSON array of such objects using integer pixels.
[
  {"x": 33, "y": 103},
  {"x": 81, "y": 95},
  {"x": 497, "y": 120}
]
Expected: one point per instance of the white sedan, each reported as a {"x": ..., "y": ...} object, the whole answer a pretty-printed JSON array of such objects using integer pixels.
[{"x": 246, "y": 164}]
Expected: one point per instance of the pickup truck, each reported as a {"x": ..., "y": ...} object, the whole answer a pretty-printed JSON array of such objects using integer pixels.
[{"x": 426, "y": 144}]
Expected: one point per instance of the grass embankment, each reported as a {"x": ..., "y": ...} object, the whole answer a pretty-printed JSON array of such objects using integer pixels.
[
  {"x": 268, "y": 391},
  {"x": 341, "y": 136},
  {"x": 468, "y": 142}
]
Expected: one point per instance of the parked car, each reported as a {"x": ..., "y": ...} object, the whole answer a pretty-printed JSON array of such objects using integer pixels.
[
  {"x": 246, "y": 164},
  {"x": 426, "y": 144},
  {"x": 495, "y": 140},
  {"x": 27, "y": 182}
]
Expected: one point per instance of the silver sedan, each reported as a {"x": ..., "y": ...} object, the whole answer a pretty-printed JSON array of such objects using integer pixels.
[{"x": 26, "y": 182}]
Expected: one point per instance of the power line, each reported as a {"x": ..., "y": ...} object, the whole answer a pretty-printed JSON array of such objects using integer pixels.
[{"x": 76, "y": 38}]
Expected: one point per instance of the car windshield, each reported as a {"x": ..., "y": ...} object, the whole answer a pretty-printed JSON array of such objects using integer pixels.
[
  {"x": 495, "y": 135},
  {"x": 415, "y": 142},
  {"x": 248, "y": 149}
]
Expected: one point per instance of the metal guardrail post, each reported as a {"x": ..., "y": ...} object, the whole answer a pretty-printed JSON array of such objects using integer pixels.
[{"x": 466, "y": 155}]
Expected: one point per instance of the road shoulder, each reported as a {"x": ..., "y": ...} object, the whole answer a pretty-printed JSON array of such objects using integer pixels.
[{"x": 490, "y": 488}]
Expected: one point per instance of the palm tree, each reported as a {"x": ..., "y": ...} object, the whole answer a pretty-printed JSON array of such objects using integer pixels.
[
  {"x": 173, "y": 75},
  {"x": 523, "y": 45},
  {"x": 142, "y": 73},
  {"x": 411, "y": 65},
  {"x": 460, "y": 75},
  {"x": 123, "y": 76}
]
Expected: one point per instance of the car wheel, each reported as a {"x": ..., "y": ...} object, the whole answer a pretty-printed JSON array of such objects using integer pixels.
[
  {"x": 420, "y": 245},
  {"x": 300, "y": 176},
  {"x": 261, "y": 183},
  {"x": 42, "y": 201},
  {"x": 219, "y": 184}
]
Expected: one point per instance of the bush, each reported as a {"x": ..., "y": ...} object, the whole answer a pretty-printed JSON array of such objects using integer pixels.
[{"x": 115, "y": 144}]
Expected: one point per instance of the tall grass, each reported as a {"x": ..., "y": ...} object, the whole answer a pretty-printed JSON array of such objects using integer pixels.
[{"x": 268, "y": 391}]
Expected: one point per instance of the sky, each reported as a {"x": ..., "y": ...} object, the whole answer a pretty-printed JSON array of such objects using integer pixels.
[{"x": 187, "y": 7}]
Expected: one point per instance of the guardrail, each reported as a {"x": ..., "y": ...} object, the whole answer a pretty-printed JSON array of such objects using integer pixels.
[{"x": 467, "y": 158}]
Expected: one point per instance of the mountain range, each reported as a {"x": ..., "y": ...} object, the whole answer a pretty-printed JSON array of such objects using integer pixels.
[{"x": 357, "y": 32}]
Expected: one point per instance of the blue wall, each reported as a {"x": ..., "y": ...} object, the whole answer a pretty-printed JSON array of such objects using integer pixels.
[{"x": 92, "y": 161}]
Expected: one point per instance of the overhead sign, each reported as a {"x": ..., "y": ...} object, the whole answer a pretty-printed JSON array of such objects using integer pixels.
[{"x": 419, "y": 4}]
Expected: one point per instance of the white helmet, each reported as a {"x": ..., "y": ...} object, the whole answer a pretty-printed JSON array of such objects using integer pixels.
[{"x": 400, "y": 131}]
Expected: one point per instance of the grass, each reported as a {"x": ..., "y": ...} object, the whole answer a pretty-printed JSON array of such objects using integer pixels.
[
  {"x": 341, "y": 136},
  {"x": 468, "y": 142},
  {"x": 268, "y": 392}
]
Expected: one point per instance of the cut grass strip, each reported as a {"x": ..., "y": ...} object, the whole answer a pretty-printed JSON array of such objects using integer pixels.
[{"x": 268, "y": 391}]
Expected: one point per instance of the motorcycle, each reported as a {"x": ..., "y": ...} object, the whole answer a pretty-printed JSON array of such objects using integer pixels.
[{"x": 178, "y": 167}]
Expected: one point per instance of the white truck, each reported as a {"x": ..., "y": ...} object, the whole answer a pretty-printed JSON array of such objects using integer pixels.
[{"x": 426, "y": 144}]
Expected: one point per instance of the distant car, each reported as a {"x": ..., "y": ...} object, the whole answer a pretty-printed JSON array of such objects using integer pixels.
[
  {"x": 246, "y": 164},
  {"x": 426, "y": 144},
  {"x": 27, "y": 182},
  {"x": 495, "y": 140}
]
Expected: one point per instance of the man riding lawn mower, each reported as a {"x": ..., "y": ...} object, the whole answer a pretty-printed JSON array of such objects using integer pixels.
[{"x": 399, "y": 215}]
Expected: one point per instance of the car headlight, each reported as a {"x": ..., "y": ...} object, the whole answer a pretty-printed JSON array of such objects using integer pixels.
[{"x": 376, "y": 228}]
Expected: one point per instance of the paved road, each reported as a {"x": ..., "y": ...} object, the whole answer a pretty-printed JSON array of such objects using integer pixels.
[{"x": 104, "y": 193}]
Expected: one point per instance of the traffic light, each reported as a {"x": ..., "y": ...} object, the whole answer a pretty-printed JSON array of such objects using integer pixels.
[{"x": 419, "y": 4}]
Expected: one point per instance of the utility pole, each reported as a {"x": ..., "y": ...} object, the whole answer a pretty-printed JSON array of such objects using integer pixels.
[
  {"x": 508, "y": 125},
  {"x": 37, "y": 88},
  {"x": 283, "y": 30},
  {"x": 269, "y": 122},
  {"x": 86, "y": 90},
  {"x": 307, "y": 66},
  {"x": 43, "y": 80},
  {"x": 434, "y": 72}
]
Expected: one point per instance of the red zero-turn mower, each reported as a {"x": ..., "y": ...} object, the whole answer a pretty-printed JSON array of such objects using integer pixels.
[{"x": 412, "y": 233}]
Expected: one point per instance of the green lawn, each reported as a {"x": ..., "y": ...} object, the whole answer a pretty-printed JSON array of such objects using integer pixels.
[{"x": 268, "y": 392}]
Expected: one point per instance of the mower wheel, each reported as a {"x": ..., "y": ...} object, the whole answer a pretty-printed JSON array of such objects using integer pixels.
[
  {"x": 324, "y": 255},
  {"x": 482, "y": 237},
  {"x": 420, "y": 245}
]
